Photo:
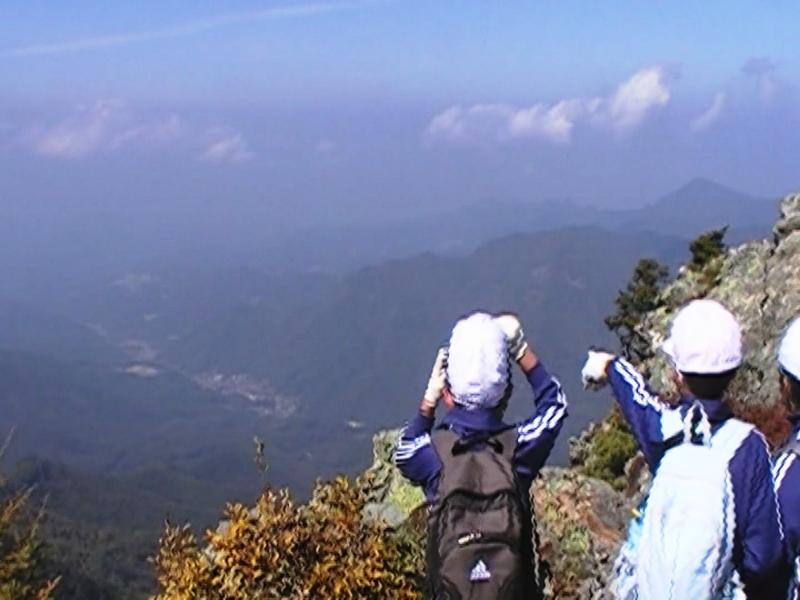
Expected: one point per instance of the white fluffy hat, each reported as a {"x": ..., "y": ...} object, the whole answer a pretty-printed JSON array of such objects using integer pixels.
[
  {"x": 477, "y": 362},
  {"x": 705, "y": 338},
  {"x": 789, "y": 350}
]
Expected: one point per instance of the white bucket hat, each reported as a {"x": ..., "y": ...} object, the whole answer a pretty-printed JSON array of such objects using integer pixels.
[
  {"x": 705, "y": 339},
  {"x": 477, "y": 362},
  {"x": 789, "y": 350}
]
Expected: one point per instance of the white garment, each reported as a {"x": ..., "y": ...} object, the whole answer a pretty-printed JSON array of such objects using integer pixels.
[
  {"x": 477, "y": 362},
  {"x": 682, "y": 547}
]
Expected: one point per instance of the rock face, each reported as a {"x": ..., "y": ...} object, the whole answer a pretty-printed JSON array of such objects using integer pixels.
[
  {"x": 390, "y": 497},
  {"x": 760, "y": 283},
  {"x": 581, "y": 520}
]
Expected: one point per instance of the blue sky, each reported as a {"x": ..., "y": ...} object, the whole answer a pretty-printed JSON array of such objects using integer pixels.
[
  {"x": 394, "y": 107},
  {"x": 268, "y": 51}
]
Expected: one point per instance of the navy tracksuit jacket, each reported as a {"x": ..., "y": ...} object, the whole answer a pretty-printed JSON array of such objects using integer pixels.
[
  {"x": 787, "y": 485},
  {"x": 417, "y": 459},
  {"x": 758, "y": 553}
]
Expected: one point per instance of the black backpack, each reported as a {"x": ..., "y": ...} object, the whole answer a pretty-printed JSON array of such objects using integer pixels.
[{"x": 480, "y": 544}]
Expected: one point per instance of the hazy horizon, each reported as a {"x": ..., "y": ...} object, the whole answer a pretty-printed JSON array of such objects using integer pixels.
[{"x": 306, "y": 114}]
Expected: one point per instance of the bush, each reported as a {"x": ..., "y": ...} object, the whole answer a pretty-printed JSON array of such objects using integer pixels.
[
  {"x": 323, "y": 549},
  {"x": 19, "y": 545},
  {"x": 610, "y": 449}
]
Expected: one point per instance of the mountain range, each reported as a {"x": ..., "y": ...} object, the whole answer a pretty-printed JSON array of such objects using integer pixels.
[{"x": 149, "y": 380}]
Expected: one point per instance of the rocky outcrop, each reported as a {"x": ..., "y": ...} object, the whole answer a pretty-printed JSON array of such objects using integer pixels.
[
  {"x": 580, "y": 521},
  {"x": 760, "y": 283},
  {"x": 390, "y": 497}
]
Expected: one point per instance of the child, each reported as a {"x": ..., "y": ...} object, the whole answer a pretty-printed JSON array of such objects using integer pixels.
[
  {"x": 712, "y": 492},
  {"x": 477, "y": 470},
  {"x": 787, "y": 468}
]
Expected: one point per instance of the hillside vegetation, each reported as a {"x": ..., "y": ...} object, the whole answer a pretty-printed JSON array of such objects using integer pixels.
[{"x": 20, "y": 543}]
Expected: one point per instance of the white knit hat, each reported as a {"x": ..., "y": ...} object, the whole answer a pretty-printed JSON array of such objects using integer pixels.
[
  {"x": 705, "y": 338},
  {"x": 789, "y": 351},
  {"x": 477, "y": 362}
]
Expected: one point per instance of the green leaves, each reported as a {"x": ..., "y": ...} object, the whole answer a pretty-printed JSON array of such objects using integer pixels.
[{"x": 707, "y": 247}]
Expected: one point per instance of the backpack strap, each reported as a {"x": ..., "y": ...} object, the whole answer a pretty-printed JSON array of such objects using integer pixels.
[{"x": 503, "y": 442}]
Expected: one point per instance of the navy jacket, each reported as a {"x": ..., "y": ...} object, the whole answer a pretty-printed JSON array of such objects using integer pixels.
[
  {"x": 758, "y": 553},
  {"x": 787, "y": 485},
  {"x": 417, "y": 459}
]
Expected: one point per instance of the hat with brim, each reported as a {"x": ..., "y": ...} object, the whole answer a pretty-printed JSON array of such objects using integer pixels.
[{"x": 705, "y": 339}]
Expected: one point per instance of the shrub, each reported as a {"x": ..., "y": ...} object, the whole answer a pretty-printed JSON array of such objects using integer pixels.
[
  {"x": 323, "y": 549},
  {"x": 610, "y": 449},
  {"x": 19, "y": 545}
]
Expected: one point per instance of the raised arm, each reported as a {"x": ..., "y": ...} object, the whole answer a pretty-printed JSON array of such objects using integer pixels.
[
  {"x": 414, "y": 455},
  {"x": 651, "y": 420},
  {"x": 537, "y": 434}
]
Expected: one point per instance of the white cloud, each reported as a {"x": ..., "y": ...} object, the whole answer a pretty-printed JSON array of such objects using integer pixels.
[
  {"x": 709, "y": 116},
  {"x": 227, "y": 148},
  {"x": 554, "y": 123},
  {"x": 182, "y": 30},
  {"x": 504, "y": 122},
  {"x": 637, "y": 96},
  {"x": 78, "y": 135},
  {"x": 158, "y": 131},
  {"x": 105, "y": 125},
  {"x": 111, "y": 125},
  {"x": 449, "y": 124},
  {"x": 765, "y": 73},
  {"x": 622, "y": 111}
]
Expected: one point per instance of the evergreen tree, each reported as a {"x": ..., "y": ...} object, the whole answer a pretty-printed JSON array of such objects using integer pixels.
[
  {"x": 641, "y": 295},
  {"x": 707, "y": 247}
]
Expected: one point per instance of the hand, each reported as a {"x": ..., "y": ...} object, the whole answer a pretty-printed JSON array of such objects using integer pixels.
[
  {"x": 515, "y": 337},
  {"x": 437, "y": 381},
  {"x": 594, "y": 374}
]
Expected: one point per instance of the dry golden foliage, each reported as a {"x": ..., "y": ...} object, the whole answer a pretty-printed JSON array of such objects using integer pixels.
[
  {"x": 19, "y": 545},
  {"x": 323, "y": 549}
]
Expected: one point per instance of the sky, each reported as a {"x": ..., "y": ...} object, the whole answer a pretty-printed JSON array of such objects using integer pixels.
[{"x": 313, "y": 113}]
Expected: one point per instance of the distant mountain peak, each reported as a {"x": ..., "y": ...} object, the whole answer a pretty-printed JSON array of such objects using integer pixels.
[
  {"x": 704, "y": 186},
  {"x": 706, "y": 191}
]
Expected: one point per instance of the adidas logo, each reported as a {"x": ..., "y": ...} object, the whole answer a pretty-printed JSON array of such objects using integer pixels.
[{"x": 480, "y": 572}]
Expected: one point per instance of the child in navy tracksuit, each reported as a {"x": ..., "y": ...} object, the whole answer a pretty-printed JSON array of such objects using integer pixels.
[
  {"x": 786, "y": 469},
  {"x": 472, "y": 377},
  {"x": 477, "y": 371},
  {"x": 705, "y": 347}
]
